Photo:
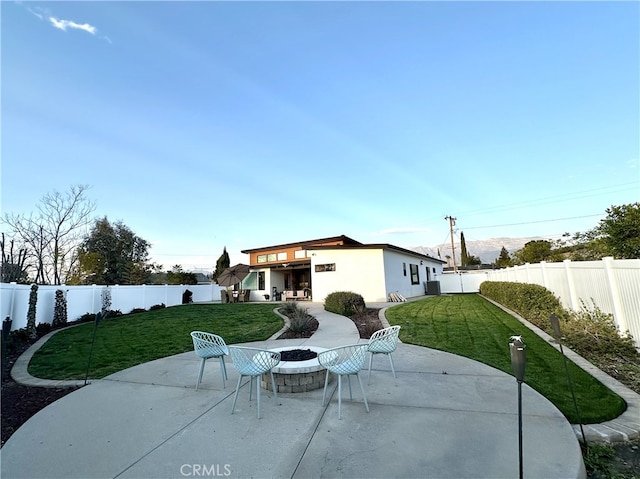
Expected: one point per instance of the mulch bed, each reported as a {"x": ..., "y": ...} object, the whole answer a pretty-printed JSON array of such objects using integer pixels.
[{"x": 20, "y": 402}]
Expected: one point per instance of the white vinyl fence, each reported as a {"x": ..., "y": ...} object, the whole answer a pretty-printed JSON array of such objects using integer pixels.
[
  {"x": 462, "y": 282},
  {"x": 613, "y": 285},
  {"x": 14, "y": 299}
]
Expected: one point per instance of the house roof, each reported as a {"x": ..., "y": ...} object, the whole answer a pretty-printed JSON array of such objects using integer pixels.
[
  {"x": 307, "y": 244},
  {"x": 380, "y": 246},
  {"x": 344, "y": 242}
]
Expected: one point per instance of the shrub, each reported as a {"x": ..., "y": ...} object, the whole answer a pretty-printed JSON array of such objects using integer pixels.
[
  {"x": 157, "y": 306},
  {"x": 42, "y": 329},
  {"x": 344, "y": 303},
  {"x": 31, "y": 313},
  {"x": 19, "y": 335},
  {"x": 300, "y": 321},
  {"x": 60, "y": 309},
  {"x": 593, "y": 332},
  {"x": 87, "y": 317},
  {"x": 533, "y": 302},
  {"x": 289, "y": 307},
  {"x": 589, "y": 331},
  {"x": 137, "y": 310},
  {"x": 105, "y": 296}
]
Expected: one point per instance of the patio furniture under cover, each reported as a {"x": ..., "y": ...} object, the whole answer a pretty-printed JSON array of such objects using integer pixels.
[
  {"x": 207, "y": 346},
  {"x": 383, "y": 341},
  {"x": 344, "y": 361},
  {"x": 253, "y": 362}
]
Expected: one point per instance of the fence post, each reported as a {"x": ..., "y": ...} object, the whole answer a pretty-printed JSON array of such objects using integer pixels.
[
  {"x": 573, "y": 297},
  {"x": 618, "y": 312},
  {"x": 543, "y": 269}
]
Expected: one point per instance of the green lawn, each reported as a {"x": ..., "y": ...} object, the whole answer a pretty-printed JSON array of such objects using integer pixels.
[
  {"x": 466, "y": 325},
  {"x": 470, "y": 326},
  {"x": 125, "y": 341}
]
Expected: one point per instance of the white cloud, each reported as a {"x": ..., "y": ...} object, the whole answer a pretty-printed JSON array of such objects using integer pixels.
[
  {"x": 64, "y": 24},
  {"x": 35, "y": 12}
]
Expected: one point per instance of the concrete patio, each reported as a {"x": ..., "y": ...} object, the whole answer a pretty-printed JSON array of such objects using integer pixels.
[{"x": 443, "y": 417}]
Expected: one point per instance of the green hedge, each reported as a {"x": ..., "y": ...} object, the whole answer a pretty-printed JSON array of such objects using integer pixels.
[
  {"x": 533, "y": 302},
  {"x": 344, "y": 303}
]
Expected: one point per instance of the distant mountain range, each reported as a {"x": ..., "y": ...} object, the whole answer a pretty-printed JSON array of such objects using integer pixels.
[{"x": 487, "y": 250}]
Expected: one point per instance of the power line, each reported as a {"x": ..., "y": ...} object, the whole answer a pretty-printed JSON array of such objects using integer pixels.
[
  {"x": 532, "y": 222},
  {"x": 555, "y": 199}
]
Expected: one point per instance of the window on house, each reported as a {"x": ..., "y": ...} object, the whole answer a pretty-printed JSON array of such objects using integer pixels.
[
  {"x": 415, "y": 276},
  {"x": 299, "y": 254},
  {"x": 262, "y": 258},
  {"x": 282, "y": 256},
  {"x": 261, "y": 280},
  {"x": 404, "y": 268}
]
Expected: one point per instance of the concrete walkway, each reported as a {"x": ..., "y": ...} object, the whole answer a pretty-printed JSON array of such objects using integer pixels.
[{"x": 443, "y": 417}]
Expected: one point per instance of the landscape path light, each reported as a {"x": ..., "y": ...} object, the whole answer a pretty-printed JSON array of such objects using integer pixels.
[{"x": 518, "y": 364}]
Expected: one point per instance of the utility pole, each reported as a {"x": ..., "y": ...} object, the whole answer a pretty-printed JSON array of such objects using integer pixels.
[{"x": 452, "y": 223}]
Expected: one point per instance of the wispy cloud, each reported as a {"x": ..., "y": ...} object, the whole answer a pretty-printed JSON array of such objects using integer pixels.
[{"x": 64, "y": 25}]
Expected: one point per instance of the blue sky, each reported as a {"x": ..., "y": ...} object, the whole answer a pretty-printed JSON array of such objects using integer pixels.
[{"x": 202, "y": 125}]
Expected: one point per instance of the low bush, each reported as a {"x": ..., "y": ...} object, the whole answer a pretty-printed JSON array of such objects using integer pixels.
[
  {"x": 157, "y": 306},
  {"x": 594, "y": 333},
  {"x": 87, "y": 317},
  {"x": 299, "y": 318},
  {"x": 288, "y": 308},
  {"x": 42, "y": 329},
  {"x": 344, "y": 303},
  {"x": 300, "y": 321},
  {"x": 137, "y": 310}
]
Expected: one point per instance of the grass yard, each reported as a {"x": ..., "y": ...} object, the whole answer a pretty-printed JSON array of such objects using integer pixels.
[
  {"x": 470, "y": 326},
  {"x": 125, "y": 341}
]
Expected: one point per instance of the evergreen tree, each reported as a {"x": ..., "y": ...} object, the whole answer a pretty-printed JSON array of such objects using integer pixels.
[
  {"x": 464, "y": 257},
  {"x": 504, "y": 260},
  {"x": 223, "y": 263}
]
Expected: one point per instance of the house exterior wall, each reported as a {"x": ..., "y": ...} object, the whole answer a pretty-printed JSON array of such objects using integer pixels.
[
  {"x": 372, "y": 273},
  {"x": 397, "y": 282},
  {"x": 360, "y": 271}
]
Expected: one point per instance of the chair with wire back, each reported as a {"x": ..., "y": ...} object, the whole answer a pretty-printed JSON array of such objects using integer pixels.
[
  {"x": 207, "y": 346},
  {"x": 383, "y": 341},
  {"x": 253, "y": 362},
  {"x": 344, "y": 361}
]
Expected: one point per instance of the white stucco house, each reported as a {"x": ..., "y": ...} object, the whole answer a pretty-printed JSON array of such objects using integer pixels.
[{"x": 313, "y": 269}]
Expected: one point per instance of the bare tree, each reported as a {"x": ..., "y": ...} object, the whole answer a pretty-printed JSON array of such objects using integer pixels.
[
  {"x": 13, "y": 267},
  {"x": 53, "y": 234}
]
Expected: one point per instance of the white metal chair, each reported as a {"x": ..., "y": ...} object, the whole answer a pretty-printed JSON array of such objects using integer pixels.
[
  {"x": 207, "y": 346},
  {"x": 254, "y": 362},
  {"x": 383, "y": 341},
  {"x": 344, "y": 361}
]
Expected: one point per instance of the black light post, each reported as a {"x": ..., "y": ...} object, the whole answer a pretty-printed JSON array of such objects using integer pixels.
[
  {"x": 518, "y": 364},
  {"x": 555, "y": 324}
]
